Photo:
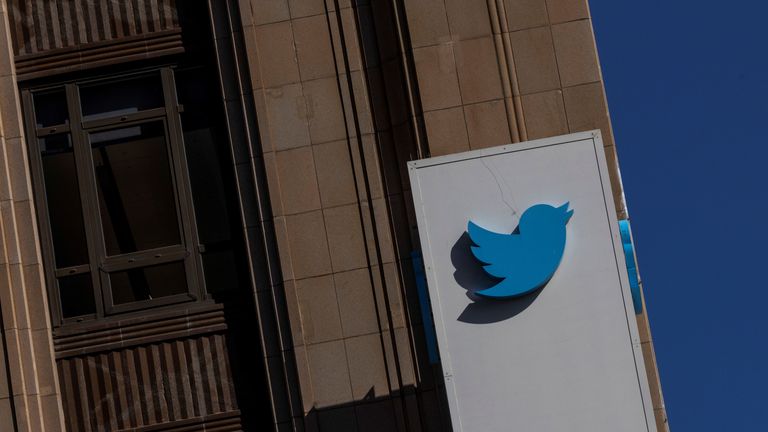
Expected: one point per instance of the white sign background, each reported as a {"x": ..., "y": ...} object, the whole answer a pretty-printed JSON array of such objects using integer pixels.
[{"x": 566, "y": 358}]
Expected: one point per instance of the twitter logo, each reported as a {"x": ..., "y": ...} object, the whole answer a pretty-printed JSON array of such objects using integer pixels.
[{"x": 527, "y": 258}]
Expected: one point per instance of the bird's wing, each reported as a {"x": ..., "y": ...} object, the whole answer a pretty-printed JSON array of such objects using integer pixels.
[{"x": 492, "y": 249}]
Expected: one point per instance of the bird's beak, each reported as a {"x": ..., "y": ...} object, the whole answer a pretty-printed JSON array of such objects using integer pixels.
[{"x": 567, "y": 213}]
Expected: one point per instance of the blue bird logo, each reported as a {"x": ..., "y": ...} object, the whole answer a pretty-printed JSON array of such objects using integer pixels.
[{"x": 525, "y": 259}]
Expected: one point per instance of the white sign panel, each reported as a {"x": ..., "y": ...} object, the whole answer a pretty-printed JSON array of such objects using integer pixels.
[{"x": 529, "y": 289}]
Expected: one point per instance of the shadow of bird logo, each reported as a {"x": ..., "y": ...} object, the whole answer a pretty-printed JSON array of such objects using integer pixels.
[{"x": 527, "y": 258}]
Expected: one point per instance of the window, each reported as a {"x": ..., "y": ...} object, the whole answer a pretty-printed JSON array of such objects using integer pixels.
[{"x": 113, "y": 195}]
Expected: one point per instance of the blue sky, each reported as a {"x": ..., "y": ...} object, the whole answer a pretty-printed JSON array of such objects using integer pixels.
[{"x": 687, "y": 85}]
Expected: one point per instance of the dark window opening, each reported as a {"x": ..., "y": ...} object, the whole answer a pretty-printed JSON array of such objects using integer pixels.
[{"x": 114, "y": 198}]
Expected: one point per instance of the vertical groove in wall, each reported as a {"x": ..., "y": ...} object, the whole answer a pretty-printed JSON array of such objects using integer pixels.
[
  {"x": 413, "y": 101},
  {"x": 411, "y": 78},
  {"x": 377, "y": 260},
  {"x": 503, "y": 45},
  {"x": 233, "y": 70}
]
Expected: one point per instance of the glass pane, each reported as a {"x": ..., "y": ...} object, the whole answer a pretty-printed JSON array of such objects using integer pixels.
[
  {"x": 76, "y": 294},
  {"x": 135, "y": 186},
  {"x": 148, "y": 283},
  {"x": 51, "y": 108},
  {"x": 63, "y": 198},
  {"x": 122, "y": 97}
]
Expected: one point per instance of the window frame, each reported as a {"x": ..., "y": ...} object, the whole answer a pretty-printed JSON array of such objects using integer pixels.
[{"x": 100, "y": 265}]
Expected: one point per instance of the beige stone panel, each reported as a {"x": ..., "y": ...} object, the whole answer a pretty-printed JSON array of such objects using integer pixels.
[
  {"x": 535, "y": 61},
  {"x": 277, "y": 55},
  {"x": 268, "y": 11},
  {"x": 334, "y": 173},
  {"x": 468, "y": 19},
  {"x": 261, "y": 114},
  {"x": 329, "y": 373},
  {"x": 438, "y": 81},
  {"x": 286, "y": 117},
  {"x": 326, "y": 119},
  {"x": 356, "y": 302},
  {"x": 254, "y": 67},
  {"x": 576, "y": 53},
  {"x": 305, "y": 379},
  {"x": 487, "y": 124},
  {"x": 308, "y": 244},
  {"x": 27, "y": 231},
  {"x": 22, "y": 413},
  {"x": 374, "y": 188},
  {"x": 478, "y": 69},
  {"x": 615, "y": 179},
  {"x": 361, "y": 84},
  {"x": 273, "y": 183},
  {"x": 349, "y": 25},
  {"x": 319, "y": 309},
  {"x": 6, "y": 414},
  {"x": 313, "y": 47},
  {"x": 367, "y": 371},
  {"x": 51, "y": 407},
  {"x": 27, "y": 358},
  {"x": 10, "y": 113},
  {"x": 21, "y": 313},
  {"x": 11, "y": 236},
  {"x": 345, "y": 237},
  {"x": 35, "y": 414},
  {"x": 446, "y": 131},
  {"x": 294, "y": 314},
  {"x": 427, "y": 22},
  {"x": 567, "y": 10},
  {"x": 298, "y": 181},
  {"x": 18, "y": 168},
  {"x": 5, "y": 390},
  {"x": 523, "y": 14},
  {"x": 407, "y": 372},
  {"x": 37, "y": 300},
  {"x": 43, "y": 354},
  {"x": 283, "y": 247},
  {"x": 6, "y": 298},
  {"x": 586, "y": 109},
  {"x": 392, "y": 295},
  {"x": 544, "y": 114},
  {"x": 303, "y": 8},
  {"x": 381, "y": 246},
  {"x": 5, "y": 187}
]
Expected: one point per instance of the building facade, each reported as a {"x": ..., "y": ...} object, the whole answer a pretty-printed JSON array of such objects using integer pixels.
[{"x": 205, "y": 209}]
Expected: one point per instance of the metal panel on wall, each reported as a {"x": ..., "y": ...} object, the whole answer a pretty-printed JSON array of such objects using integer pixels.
[{"x": 534, "y": 319}]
